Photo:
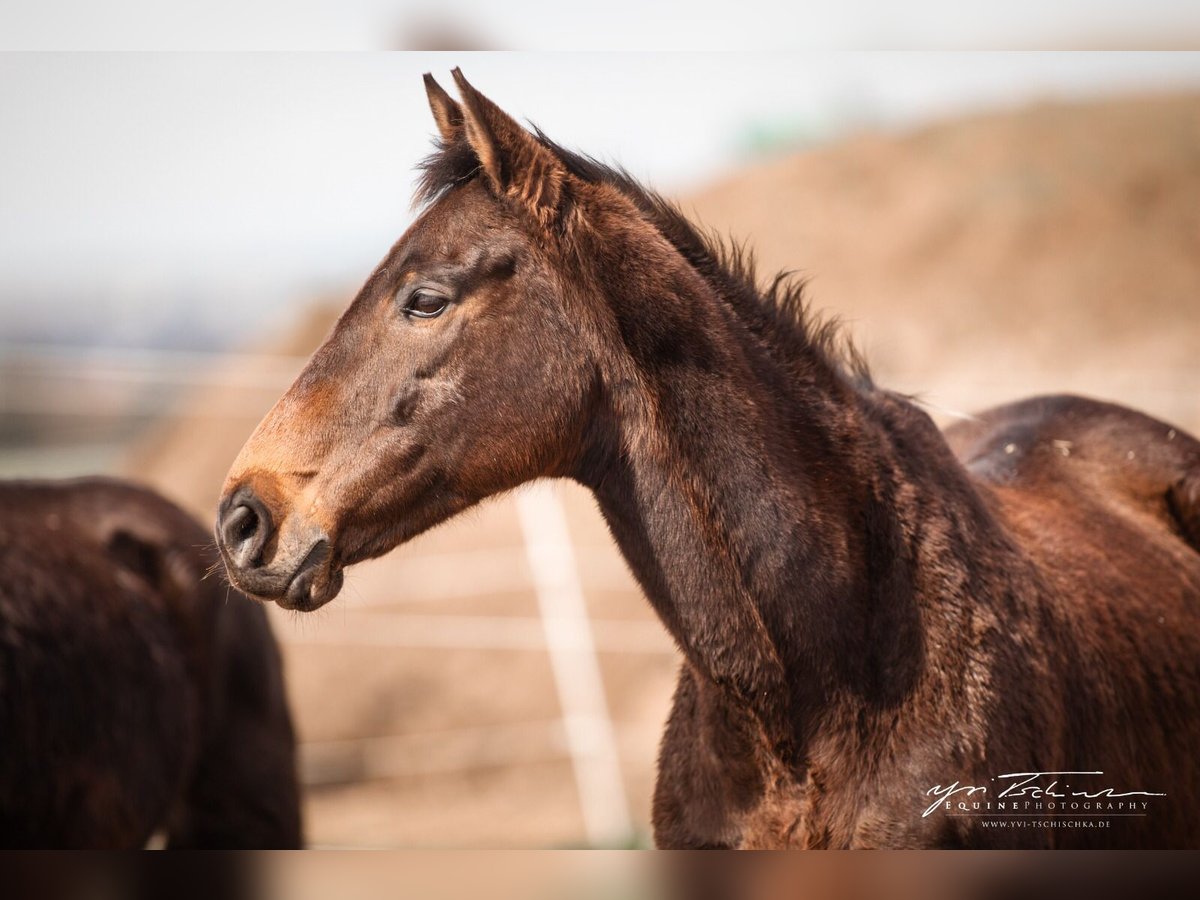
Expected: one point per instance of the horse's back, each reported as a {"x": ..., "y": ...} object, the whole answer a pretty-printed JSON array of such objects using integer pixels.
[
  {"x": 117, "y": 660},
  {"x": 1063, "y": 445}
]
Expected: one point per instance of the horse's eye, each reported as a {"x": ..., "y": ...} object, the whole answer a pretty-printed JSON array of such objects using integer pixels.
[{"x": 425, "y": 305}]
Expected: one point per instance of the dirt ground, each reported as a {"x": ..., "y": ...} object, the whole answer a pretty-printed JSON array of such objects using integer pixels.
[{"x": 1046, "y": 249}]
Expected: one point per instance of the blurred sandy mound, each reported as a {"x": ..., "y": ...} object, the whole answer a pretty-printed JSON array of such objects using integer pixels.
[
  {"x": 1046, "y": 249},
  {"x": 1056, "y": 247}
]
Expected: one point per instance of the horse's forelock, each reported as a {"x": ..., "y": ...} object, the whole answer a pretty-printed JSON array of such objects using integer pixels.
[{"x": 449, "y": 164}]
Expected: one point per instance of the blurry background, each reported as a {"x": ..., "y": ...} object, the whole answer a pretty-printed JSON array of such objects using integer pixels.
[{"x": 178, "y": 232}]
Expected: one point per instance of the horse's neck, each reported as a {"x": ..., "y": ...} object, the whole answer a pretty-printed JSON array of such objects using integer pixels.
[{"x": 762, "y": 522}]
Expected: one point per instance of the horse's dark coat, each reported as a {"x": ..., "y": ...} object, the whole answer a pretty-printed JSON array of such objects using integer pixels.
[
  {"x": 135, "y": 696},
  {"x": 866, "y": 607}
]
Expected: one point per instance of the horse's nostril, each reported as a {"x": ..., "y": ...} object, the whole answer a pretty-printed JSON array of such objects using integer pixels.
[
  {"x": 244, "y": 532},
  {"x": 243, "y": 523}
]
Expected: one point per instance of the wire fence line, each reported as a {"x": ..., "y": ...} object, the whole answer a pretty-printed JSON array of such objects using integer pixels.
[
  {"x": 503, "y": 569},
  {"x": 136, "y": 384},
  {"x": 134, "y": 367},
  {"x": 165, "y": 363},
  {"x": 449, "y": 751},
  {"x": 476, "y": 632},
  {"x": 381, "y": 757}
]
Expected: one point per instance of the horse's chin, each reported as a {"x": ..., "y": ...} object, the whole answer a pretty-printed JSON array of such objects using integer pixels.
[{"x": 312, "y": 589}]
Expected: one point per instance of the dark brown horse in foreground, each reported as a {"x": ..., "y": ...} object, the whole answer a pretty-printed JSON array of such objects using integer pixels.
[
  {"x": 135, "y": 695},
  {"x": 879, "y": 621}
]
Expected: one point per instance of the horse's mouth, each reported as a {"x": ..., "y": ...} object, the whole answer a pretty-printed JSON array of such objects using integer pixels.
[
  {"x": 312, "y": 588},
  {"x": 314, "y": 582}
]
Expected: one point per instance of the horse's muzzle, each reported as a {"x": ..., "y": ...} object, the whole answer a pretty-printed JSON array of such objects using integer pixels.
[{"x": 297, "y": 570}]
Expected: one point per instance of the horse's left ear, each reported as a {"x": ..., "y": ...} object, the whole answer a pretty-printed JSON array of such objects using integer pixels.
[
  {"x": 446, "y": 113},
  {"x": 515, "y": 162}
]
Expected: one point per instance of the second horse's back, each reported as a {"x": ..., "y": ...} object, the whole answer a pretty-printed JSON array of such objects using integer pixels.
[{"x": 140, "y": 696}]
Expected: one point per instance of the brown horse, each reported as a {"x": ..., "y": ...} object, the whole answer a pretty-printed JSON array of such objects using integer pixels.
[
  {"x": 136, "y": 696},
  {"x": 872, "y": 614}
]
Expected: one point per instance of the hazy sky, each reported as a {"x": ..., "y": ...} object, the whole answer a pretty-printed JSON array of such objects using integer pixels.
[
  {"x": 155, "y": 189},
  {"x": 618, "y": 24}
]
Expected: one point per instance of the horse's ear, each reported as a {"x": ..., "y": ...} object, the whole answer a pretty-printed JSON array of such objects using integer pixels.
[
  {"x": 446, "y": 113},
  {"x": 516, "y": 163}
]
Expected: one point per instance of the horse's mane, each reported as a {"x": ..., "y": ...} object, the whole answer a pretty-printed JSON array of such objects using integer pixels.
[{"x": 778, "y": 312}]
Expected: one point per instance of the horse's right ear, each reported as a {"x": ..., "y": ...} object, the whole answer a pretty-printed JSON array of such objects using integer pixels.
[{"x": 446, "y": 112}]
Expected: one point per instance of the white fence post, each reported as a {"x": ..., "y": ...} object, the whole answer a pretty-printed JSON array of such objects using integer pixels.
[{"x": 589, "y": 730}]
